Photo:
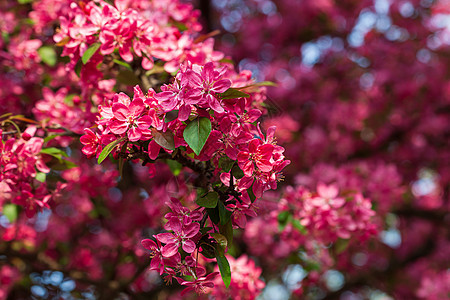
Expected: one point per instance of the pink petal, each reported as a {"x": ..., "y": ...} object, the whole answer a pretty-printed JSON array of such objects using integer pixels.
[
  {"x": 153, "y": 149},
  {"x": 125, "y": 53},
  {"x": 184, "y": 112},
  {"x": 166, "y": 238},
  {"x": 191, "y": 230},
  {"x": 149, "y": 244},
  {"x": 136, "y": 107},
  {"x": 221, "y": 86},
  {"x": 188, "y": 246},
  {"x": 214, "y": 104},
  {"x": 264, "y": 165},
  {"x": 134, "y": 134},
  {"x": 120, "y": 111},
  {"x": 169, "y": 250},
  {"x": 118, "y": 127}
]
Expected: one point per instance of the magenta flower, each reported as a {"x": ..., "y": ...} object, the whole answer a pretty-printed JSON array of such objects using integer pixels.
[
  {"x": 118, "y": 37},
  {"x": 92, "y": 145},
  {"x": 199, "y": 285},
  {"x": 159, "y": 261},
  {"x": 182, "y": 235},
  {"x": 327, "y": 197},
  {"x": 130, "y": 118},
  {"x": 210, "y": 83},
  {"x": 258, "y": 154}
]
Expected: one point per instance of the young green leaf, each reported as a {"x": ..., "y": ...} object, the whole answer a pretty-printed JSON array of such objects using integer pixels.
[
  {"x": 224, "y": 268},
  {"x": 227, "y": 231},
  {"x": 48, "y": 55},
  {"x": 54, "y": 152},
  {"x": 222, "y": 242},
  {"x": 209, "y": 201},
  {"x": 122, "y": 63},
  {"x": 297, "y": 225},
  {"x": 40, "y": 176},
  {"x": 10, "y": 211},
  {"x": 90, "y": 52},
  {"x": 196, "y": 134},
  {"x": 224, "y": 214},
  {"x": 256, "y": 84},
  {"x": 233, "y": 93},
  {"x": 174, "y": 166},
  {"x": 107, "y": 150}
]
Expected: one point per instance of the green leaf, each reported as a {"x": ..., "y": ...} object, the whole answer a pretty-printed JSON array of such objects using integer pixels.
[
  {"x": 122, "y": 63},
  {"x": 205, "y": 230},
  {"x": 69, "y": 99},
  {"x": 107, "y": 150},
  {"x": 11, "y": 211},
  {"x": 90, "y": 52},
  {"x": 170, "y": 116},
  {"x": 50, "y": 137},
  {"x": 283, "y": 217},
  {"x": 181, "y": 26},
  {"x": 164, "y": 139},
  {"x": 40, "y": 176},
  {"x": 196, "y": 134},
  {"x": 48, "y": 55},
  {"x": 262, "y": 83},
  {"x": 77, "y": 68},
  {"x": 224, "y": 214},
  {"x": 24, "y": 1},
  {"x": 69, "y": 164},
  {"x": 221, "y": 242},
  {"x": 226, "y": 61},
  {"x": 227, "y": 231},
  {"x": 127, "y": 77},
  {"x": 155, "y": 70},
  {"x": 174, "y": 166},
  {"x": 55, "y": 152},
  {"x": 233, "y": 93},
  {"x": 224, "y": 268},
  {"x": 251, "y": 195},
  {"x": 208, "y": 249},
  {"x": 225, "y": 163},
  {"x": 237, "y": 172},
  {"x": 209, "y": 201},
  {"x": 213, "y": 214},
  {"x": 297, "y": 225},
  {"x": 63, "y": 165},
  {"x": 341, "y": 245}
]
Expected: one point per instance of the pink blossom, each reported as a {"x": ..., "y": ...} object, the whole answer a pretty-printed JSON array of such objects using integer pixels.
[{"x": 130, "y": 118}]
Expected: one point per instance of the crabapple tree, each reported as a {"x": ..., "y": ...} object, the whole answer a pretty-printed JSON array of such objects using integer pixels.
[{"x": 224, "y": 150}]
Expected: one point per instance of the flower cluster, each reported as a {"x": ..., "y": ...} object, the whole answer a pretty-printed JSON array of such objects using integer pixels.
[
  {"x": 245, "y": 283},
  {"x": 137, "y": 30},
  {"x": 165, "y": 252},
  {"x": 194, "y": 85},
  {"x": 343, "y": 216},
  {"x": 19, "y": 160}
]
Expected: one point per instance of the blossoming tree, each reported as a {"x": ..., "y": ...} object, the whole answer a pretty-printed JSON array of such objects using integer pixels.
[{"x": 136, "y": 152}]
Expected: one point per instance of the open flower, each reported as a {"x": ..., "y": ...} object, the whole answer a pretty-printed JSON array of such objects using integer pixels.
[
  {"x": 199, "y": 285},
  {"x": 130, "y": 118},
  {"x": 182, "y": 235}
]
